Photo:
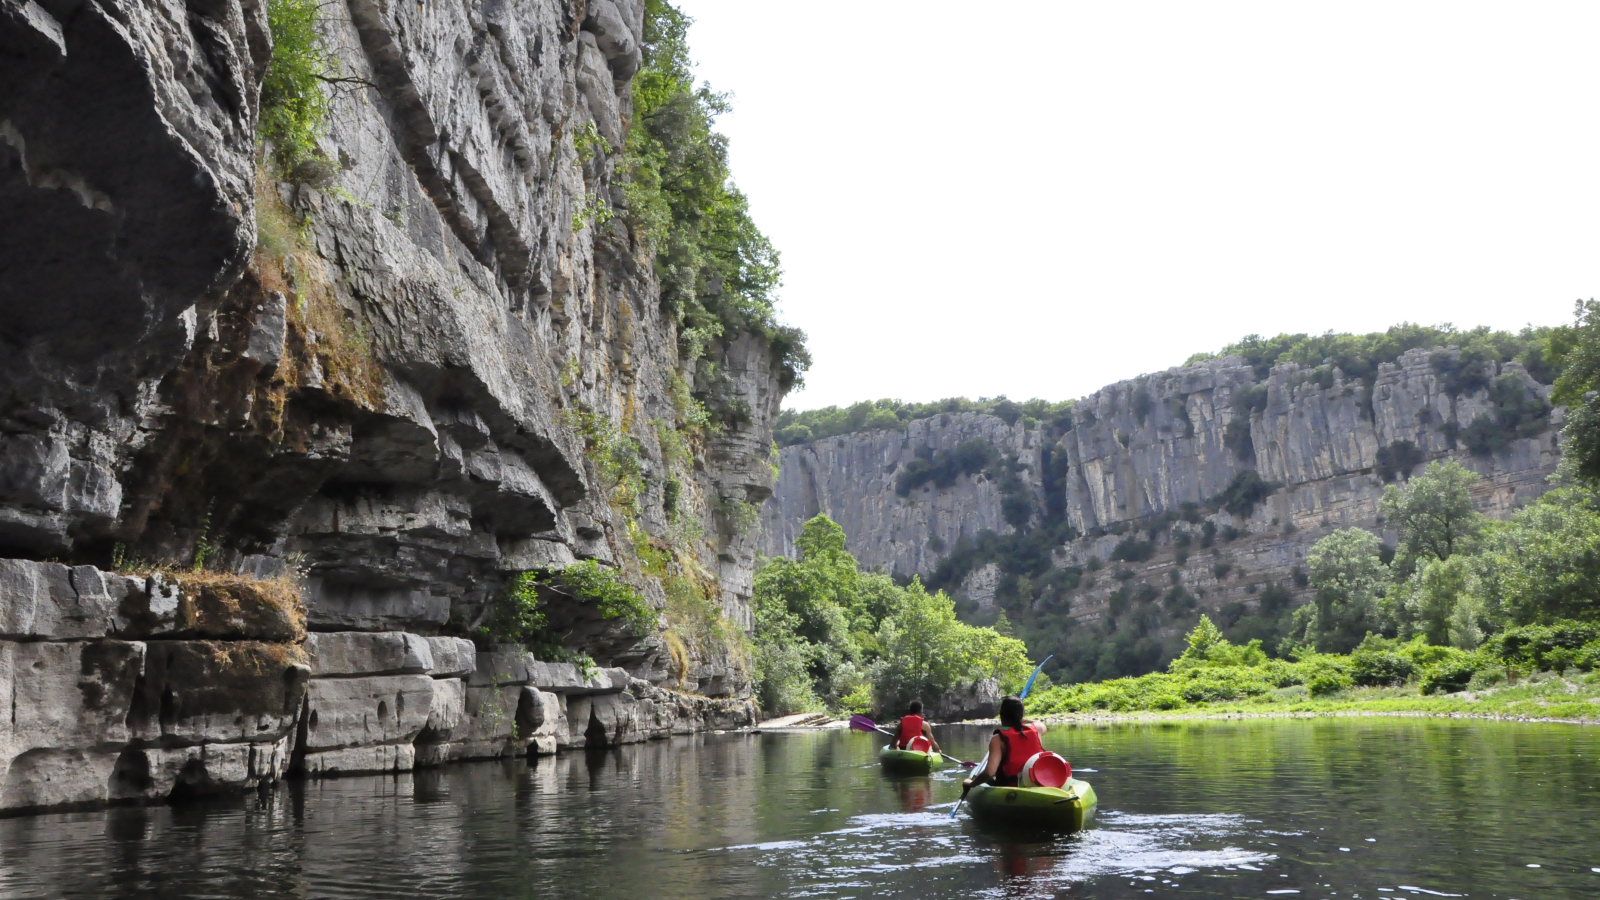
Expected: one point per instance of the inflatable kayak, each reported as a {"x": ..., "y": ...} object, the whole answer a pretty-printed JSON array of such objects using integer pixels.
[
  {"x": 909, "y": 762},
  {"x": 1066, "y": 808}
]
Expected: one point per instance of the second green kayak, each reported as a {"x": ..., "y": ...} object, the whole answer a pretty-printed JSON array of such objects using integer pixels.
[
  {"x": 1066, "y": 808},
  {"x": 909, "y": 762}
]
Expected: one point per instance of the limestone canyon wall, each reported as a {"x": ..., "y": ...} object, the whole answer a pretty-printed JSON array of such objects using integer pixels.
[
  {"x": 386, "y": 396},
  {"x": 1142, "y": 448}
]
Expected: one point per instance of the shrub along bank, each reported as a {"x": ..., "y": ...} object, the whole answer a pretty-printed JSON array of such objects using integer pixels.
[{"x": 1546, "y": 671}]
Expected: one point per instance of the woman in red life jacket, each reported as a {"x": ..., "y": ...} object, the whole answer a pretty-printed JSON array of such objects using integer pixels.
[
  {"x": 1014, "y": 743},
  {"x": 912, "y": 727}
]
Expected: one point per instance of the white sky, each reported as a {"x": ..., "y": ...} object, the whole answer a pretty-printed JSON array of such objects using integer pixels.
[{"x": 1039, "y": 197}]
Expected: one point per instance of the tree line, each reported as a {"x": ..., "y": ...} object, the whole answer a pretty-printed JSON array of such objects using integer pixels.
[{"x": 831, "y": 636}]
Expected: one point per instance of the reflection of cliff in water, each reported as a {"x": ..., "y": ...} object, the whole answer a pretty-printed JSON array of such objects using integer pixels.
[{"x": 1212, "y": 810}]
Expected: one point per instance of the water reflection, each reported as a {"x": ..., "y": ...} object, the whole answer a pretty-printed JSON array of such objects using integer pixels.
[{"x": 1328, "y": 809}]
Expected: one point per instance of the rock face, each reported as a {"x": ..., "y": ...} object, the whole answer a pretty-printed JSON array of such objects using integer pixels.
[
  {"x": 1140, "y": 449},
  {"x": 394, "y": 387},
  {"x": 101, "y": 717}
]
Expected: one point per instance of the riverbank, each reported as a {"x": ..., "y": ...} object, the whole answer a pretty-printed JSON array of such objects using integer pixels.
[{"x": 1545, "y": 697}]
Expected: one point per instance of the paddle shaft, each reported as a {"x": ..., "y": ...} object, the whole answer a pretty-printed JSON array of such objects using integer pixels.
[{"x": 984, "y": 763}]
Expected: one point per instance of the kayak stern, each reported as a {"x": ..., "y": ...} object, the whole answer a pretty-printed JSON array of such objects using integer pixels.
[
  {"x": 909, "y": 762},
  {"x": 1067, "y": 808}
]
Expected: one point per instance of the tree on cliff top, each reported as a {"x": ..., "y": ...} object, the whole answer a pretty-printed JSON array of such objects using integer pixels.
[{"x": 719, "y": 274}]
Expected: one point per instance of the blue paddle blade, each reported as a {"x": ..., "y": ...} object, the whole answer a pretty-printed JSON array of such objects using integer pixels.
[{"x": 1029, "y": 686}]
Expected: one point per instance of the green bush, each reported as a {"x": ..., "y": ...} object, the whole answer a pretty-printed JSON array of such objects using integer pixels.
[
  {"x": 1543, "y": 647},
  {"x": 1244, "y": 493},
  {"x": 1453, "y": 674},
  {"x": 294, "y": 109},
  {"x": 719, "y": 274},
  {"x": 1325, "y": 682},
  {"x": 942, "y": 468},
  {"x": 1131, "y": 549},
  {"x": 1376, "y": 668},
  {"x": 1487, "y": 678},
  {"x": 520, "y": 615}
]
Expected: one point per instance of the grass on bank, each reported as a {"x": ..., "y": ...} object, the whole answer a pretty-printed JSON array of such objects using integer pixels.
[{"x": 1550, "y": 671}]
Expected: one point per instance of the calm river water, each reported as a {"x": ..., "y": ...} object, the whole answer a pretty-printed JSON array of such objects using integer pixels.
[{"x": 1298, "y": 809}]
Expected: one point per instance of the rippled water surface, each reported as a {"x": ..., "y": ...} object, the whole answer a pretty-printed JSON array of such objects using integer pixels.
[{"x": 1297, "y": 809}]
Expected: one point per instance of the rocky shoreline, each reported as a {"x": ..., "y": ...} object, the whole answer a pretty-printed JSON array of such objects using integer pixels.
[{"x": 126, "y": 689}]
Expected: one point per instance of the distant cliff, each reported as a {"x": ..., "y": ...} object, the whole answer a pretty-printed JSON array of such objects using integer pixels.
[{"x": 1196, "y": 488}]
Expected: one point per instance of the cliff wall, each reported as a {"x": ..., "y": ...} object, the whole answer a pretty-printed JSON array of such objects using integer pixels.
[
  {"x": 407, "y": 386},
  {"x": 1148, "y": 458}
]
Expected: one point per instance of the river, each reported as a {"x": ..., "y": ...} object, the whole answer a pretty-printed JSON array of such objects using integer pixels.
[{"x": 1330, "y": 808}]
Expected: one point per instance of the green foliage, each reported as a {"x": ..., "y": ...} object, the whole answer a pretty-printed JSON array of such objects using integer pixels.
[
  {"x": 1396, "y": 460},
  {"x": 1546, "y": 647},
  {"x": 1383, "y": 662},
  {"x": 521, "y": 615},
  {"x": 1518, "y": 413},
  {"x": 1207, "y": 648},
  {"x": 1359, "y": 355},
  {"x": 799, "y": 427},
  {"x": 736, "y": 517},
  {"x": 719, "y": 274},
  {"x": 1348, "y": 578},
  {"x": 1546, "y": 562},
  {"x": 1244, "y": 492},
  {"x": 942, "y": 468},
  {"x": 828, "y": 634},
  {"x": 926, "y": 652},
  {"x": 1578, "y": 388},
  {"x": 1455, "y": 673},
  {"x": 1433, "y": 513},
  {"x": 294, "y": 109},
  {"x": 1131, "y": 549},
  {"x": 614, "y": 455}
]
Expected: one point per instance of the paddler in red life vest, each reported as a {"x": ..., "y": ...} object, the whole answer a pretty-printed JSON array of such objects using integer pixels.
[
  {"x": 1014, "y": 743},
  {"x": 913, "y": 726}
]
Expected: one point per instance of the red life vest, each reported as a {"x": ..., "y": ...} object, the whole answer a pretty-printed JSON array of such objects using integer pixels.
[
  {"x": 910, "y": 727},
  {"x": 1020, "y": 746}
]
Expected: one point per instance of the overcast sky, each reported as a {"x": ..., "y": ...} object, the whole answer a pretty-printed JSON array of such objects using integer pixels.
[{"x": 1038, "y": 197}]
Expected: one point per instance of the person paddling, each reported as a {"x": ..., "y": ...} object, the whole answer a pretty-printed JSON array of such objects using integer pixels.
[
  {"x": 1013, "y": 744},
  {"x": 912, "y": 727}
]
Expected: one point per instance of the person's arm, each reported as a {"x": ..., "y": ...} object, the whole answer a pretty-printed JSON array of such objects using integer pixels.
[
  {"x": 928, "y": 730},
  {"x": 996, "y": 747},
  {"x": 1037, "y": 726}
]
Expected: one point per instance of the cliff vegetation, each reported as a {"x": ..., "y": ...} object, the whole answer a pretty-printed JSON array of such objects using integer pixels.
[{"x": 719, "y": 273}]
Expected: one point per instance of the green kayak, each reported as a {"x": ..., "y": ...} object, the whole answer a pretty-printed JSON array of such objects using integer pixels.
[
  {"x": 1066, "y": 808},
  {"x": 909, "y": 762}
]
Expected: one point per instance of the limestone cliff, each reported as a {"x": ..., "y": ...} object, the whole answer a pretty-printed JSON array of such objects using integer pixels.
[
  {"x": 1153, "y": 455},
  {"x": 401, "y": 390}
]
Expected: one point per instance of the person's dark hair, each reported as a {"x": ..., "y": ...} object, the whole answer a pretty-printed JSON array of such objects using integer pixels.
[
  {"x": 1011, "y": 713},
  {"x": 916, "y": 707}
]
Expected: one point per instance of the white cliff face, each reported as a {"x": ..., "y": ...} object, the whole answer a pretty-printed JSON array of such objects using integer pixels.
[
  {"x": 1142, "y": 448},
  {"x": 852, "y": 478},
  {"x": 396, "y": 402}
]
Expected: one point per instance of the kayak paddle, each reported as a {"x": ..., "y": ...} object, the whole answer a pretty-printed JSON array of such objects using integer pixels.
[
  {"x": 1029, "y": 686},
  {"x": 984, "y": 763},
  {"x": 862, "y": 723}
]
